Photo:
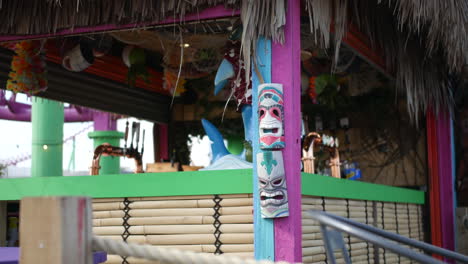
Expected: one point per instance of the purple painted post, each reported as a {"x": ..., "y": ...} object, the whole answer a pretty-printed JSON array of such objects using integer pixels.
[
  {"x": 104, "y": 122},
  {"x": 446, "y": 179},
  {"x": 286, "y": 70}
]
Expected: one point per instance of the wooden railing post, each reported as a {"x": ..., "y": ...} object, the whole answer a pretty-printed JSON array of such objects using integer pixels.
[{"x": 56, "y": 230}]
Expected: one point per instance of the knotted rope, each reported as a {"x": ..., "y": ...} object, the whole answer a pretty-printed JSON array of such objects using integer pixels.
[{"x": 168, "y": 255}]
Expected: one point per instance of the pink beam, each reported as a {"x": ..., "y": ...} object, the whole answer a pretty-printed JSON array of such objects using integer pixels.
[
  {"x": 446, "y": 187},
  {"x": 209, "y": 13},
  {"x": 286, "y": 69}
]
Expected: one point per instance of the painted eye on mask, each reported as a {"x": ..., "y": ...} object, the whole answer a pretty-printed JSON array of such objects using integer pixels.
[
  {"x": 275, "y": 112},
  {"x": 262, "y": 183},
  {"x": 261, "y": 112},
  {"x": 277, "y": 182}
]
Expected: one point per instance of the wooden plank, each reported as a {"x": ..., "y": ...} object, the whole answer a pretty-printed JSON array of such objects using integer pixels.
[
  {"x": 286, "y": 69},
  {"x": 55, "y": 230}
]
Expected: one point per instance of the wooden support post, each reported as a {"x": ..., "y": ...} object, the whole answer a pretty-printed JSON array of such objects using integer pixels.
[
  {"x": 446, "y": 186},
  {"x": 264, "y": 241},
  {"x": 286, "y": 69},
  {"x": 3, "y": 223},
  {"x": 56, "y": 230}
]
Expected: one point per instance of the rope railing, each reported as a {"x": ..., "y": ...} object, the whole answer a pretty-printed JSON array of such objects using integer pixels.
[{"x": 168, "y": 255}]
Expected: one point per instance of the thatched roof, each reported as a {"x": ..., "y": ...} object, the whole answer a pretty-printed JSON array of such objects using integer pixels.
[
  {"x": 19, "y": 17},
  {"x": 424, "y": 42}
]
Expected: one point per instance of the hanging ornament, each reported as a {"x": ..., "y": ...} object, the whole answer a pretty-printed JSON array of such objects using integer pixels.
[
  {"x": 28, "y": 73},
  {"x": 78, "y": 58}
]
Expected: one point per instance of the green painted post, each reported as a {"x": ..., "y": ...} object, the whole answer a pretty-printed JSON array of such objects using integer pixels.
[
  {"x": 47, "y": 137},
  {"x": 109, "y": 165}
]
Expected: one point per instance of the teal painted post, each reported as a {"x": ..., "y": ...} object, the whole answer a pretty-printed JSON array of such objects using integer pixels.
[
  {"x": 109, "y": 165},
  {"x": 264, "y": 244},
  {"x": 47, "y": 137}
]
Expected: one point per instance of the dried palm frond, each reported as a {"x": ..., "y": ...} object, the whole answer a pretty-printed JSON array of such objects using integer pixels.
[
  {"x": 21, "y": 17},
  {"x": 422, "y": 41},
  {"x": 260, "y": 18}
]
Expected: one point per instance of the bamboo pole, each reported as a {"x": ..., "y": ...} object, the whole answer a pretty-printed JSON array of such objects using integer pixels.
[
  {"x": 312, "y": 243},
  {"x": 174, "y": 220},
  {"x": 163, "y": 198},
  {"x": 174, "y": 229},
  {"x": 186, "y": 239},
  {"x": 309, "y": 251},
  {"x": 172, "y": 204},
  {"x": 313, "y": 236},
  {"x": 174, "y": 212},
  {"x": 314, "y": 259}
]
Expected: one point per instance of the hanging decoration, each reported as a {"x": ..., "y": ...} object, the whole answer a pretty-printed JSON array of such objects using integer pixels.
[
  {"x": 272, "y": 184},
  {"x": 135, "y": 59},
  {"x": 170, "y": 81},
  {"x": 79, "y": 57},
  {"x": 271, "y": 116},
  {"x": 28, "y": 72},
  {"x": 270, "y": 166}
]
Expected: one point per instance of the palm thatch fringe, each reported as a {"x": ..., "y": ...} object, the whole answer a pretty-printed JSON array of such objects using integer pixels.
[
  {"x": 260, "y": 18},
  {"x": 21, "y": 17},
  {"x": 423, "y": 41}
]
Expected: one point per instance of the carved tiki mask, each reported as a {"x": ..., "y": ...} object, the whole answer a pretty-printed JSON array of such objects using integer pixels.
[
  {"x": 270, "y": 114},
  {"x": 272, "y": 184}
]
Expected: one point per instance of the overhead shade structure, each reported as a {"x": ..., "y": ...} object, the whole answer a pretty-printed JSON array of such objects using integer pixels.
[{"x": 96, "y": 92}]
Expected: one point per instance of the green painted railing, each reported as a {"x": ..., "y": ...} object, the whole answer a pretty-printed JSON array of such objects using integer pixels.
[{"x": 193, "y": 183}]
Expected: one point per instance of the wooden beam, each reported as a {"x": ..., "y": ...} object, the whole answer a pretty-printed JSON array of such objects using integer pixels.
[
  {"x": 286, "y": 69},
  {"x": 56, "y": 230}
]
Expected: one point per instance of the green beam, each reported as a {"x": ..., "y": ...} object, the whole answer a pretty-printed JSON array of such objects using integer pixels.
[
  {"x": 195, "y": 183},
  {"x": 47, "y": 137},
  {"x": 131, "y": 185},
  {"x": 109, "y": 165},
  {"x": 318, "y": 185}
]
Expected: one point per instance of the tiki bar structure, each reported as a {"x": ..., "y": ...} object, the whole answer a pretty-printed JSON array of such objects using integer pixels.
[{"x": 355, "y": 108}]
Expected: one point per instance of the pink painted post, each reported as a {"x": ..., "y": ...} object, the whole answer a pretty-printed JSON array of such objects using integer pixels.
[
  {"x": 163, "y": 141},
  {"x": 286, "y": 69},
  {"x": 446, "y": 190},
  {"x": 104, "y": 122}
]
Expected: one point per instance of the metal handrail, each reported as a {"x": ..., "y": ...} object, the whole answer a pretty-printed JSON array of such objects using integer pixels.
[{"x": 378, "y": 237}]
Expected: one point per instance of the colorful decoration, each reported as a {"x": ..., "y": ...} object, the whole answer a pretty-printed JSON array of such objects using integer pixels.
[
  {"x": 232, "y": 68},
  {"x": 170, "y": 82},
  {"x": 222, "y": 158},
  {"x": 272, "y": 184},
  {"x": 312, "y": 92},
  {"x": 28, "y": 73},
  {"x": 271, "y": 116},
  {"x": 135, "y": 59},
  {"x": 331, "y": 144},
  {"x": 78, "y": 58}
]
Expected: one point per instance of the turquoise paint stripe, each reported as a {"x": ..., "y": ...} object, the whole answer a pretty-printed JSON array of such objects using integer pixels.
[
  {"x": 264, "y": 240},
  {"x": 131, "y": 185},
  {"x": 318, "y": 185}
]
